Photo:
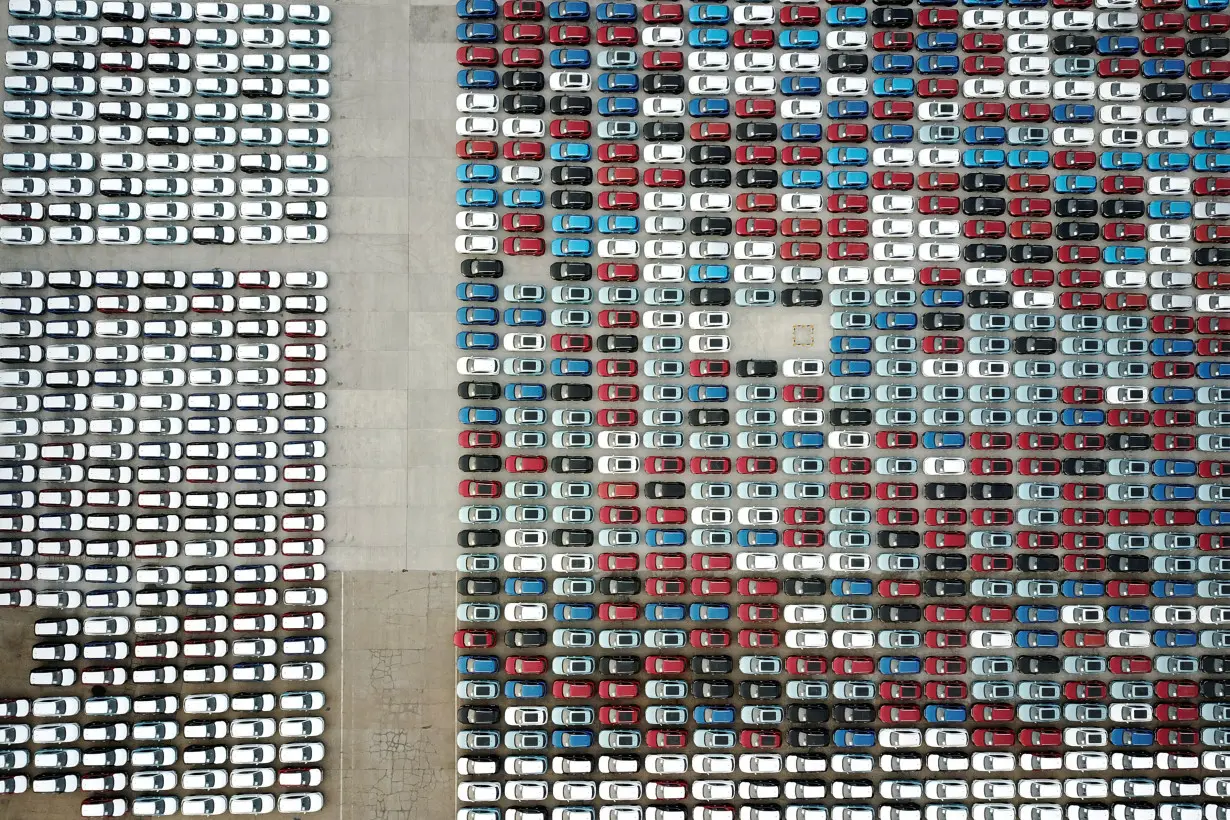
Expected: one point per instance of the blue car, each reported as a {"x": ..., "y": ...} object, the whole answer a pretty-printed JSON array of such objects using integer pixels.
[
  {"x": 708, "y": 392},
  {"x": 802, "y": 132},
  {"x": 525, "y": 689},
  {"x": 802, "y": 178},
  {"x": 1037, "y": 614},
  {"x": 756, "y": 538},
  {"x": 1029, "y": 158},
  {"x": 1170, "y": 209},
  {"x": 1124, "y": 254},
  {"x": 895, "y": 133},
  {"x": 939, "y": 64},
  {"x": 572, "y": 223},
  {"x": 477, "y": 198},
  {"x": 937, "y": 40},
  {"x": 478, "y": 78},
  {"x": 478, "y": 341},
  {"x": 892, "y": 64},
  {"x": 796, "y": 440},
  {"x": 1209, "y": 92},
  {"x": 846, "y": 16},
  {"x": 850, "y": 344},
  {"x": 1118, "y": 45},
  {"x": 936, "y": 297},
  {"x": 525, "y": 586},
  {"x": 846, "y": 587},
  {"x": 1168, "y": 161},
  {"x": 1172, "y": 589},
  {"x": 1080, "y": 417},
  {"x": 568, "y": 10},
  {"x": 1216, "y": 140},
  {"x": 478, "y": 664},
  {"x": 619, "y": 106},
  {"x": 477, "y": 9},
  {"x": 848, "y": 155},
  {"x": 900, "y": 665},
  {"x": 709, "y": 38},
  {"x": 709, "y": 107},
  {"x": 1172, "y": 395},
  {"x": 574, "y": 612},
  {"x": 709, "y": 612},
  {"x": 477, "y": 292},
  {"x": 1074, "y": 113},
  {"x": 1082, "y": 589},
  {"x": 572, "y": 738},
  {"x": 1173, "y": 467},
  {"x": 616, "y": 12},
  {"x": 481, "y": 172},
  {"x": 1207, "y": 5},
  {"x": 571, "y": 367},
  {"x": 935, "y": 713},
  {"x": 524, "y": 392},
  {"x": 1172, "y": 347},
  {"x": 665, "y": 612},
  {"x": 854, "y": 738},
  {"x": 985, "y": 135},
  {"x": 1172, "y": 492},
  {"x": 572, "y": 247},
  {"x": 1213, "y": 370},
  {"x": 525, "y": 317},
  {"x": 845, "y": 109},
  {"x": 799, "y": 40},
  {"x": 943, "y": 441},
  {"x": 893, "y": 87},
  {"x": 711, "y": 14},
  {"x": 478, "y": 33},
  {"x": 618, "y": 83},
  {"x": 1214, "y": 163},
  {"x": 479, "y": 415},
  {"x": 703, "y": 273},
  {"x": 1131, "y": 737},
  {"x": 570, "y": 58},
  {"x": 803, "y": 87},
  {"x": 1133, "y": 614},
  {"x": 850, "y": 368},
  {"x": 848, "y": 180},
  {"x": 523, "y": 198},
  {"x": 983, "y": 158},
  {"x": 713, "y": 715},
  {"x": 896, "y": 321},
  {"x": 1037, "y": 638},
  {"x": 1175, "y": 638},
  {"x": 622, "y": 224},
  {"x": 1212, "y": 518},
  {"x": 1163, "y": 68},
  {"x": 1076, "y": 183},
  {"x": 478, "y": 316},
  {"x": 1121, "y": 160}
]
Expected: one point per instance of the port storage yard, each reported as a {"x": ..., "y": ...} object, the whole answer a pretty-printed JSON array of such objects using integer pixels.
[{"x": 782, "y": 411}]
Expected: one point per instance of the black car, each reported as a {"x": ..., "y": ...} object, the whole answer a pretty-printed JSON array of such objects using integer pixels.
[
  {"x": 808, "y": 713},
  {"x": 572, "y": 391},
  {"x": 943, "y": 491},
  {"x": 664, "y": 84},
  {"x": 479, "y": 538},
  {"x": 1077, "y": 231},
  {"x": 711, "y": 226},
  {"x": 478, "y": 715},
  {"x": 664, "y": 132},
  {"x": 1123, "y": 208},
  {"x": 618, "y": 343},
  {"x": 760, "y": 689},
  {"x": 802, "y": 297},
  {"x": 1037, "y": 563},
  {"x": 808, "y": 738},
  {"x": 1084, "y": 466},
  {"x": 482, "y": 268},
  {"x": 1164, "y": 92},
  {"x": 525, "y": 104},
  {"x": 1074, "y": 44},
  {"x": 1213, "y": 257},
  {"x": 898, "y": 539},
  {"x": 523, "y": 80},
  {"x": 847, "y": 63},
  {"x": 572, "y": 175},
  {"x": 710, "y": 155},
  {"x": 755, "y": 132},
  {"x": 984, "y": 206},
  {"x": 850, "y": 417},
  {"x": 1076, "y": 207},
  {"x": 479, "y": 464},
  {"x": 571, "y": 271},
  {"x": 1029, "y": 254},
  {"x": 1215, "y": 664},
  {"x": 572, "y": 538},
  {"x": 943, "y": 321},
  {"x": 980, "y": 181},
  {"x": 756, "y": 368},
  {"x": 756, "y": 178},
  {"x": 569, "y": 106},
  {"x": 1218, "y": 689},
  {"x": 619, "y": 585},
  {"x": 805, "y": 586},
  {"x": 985, "y": 252},
  {"x": 712, "y": 665},
  {"x": 486, "y": 391},
  {"x": 1128, "y": 441},
  {"x": 709, "y": 297},
  {"x": 572, "y": 200},
  {"x": 706, "y": 417},
  {"x": 989, "y": 298},
  {"x": 892, "y": 18},
  {"x": 619, "y": 665},
  {"x": 991, "y": 490},
  {"x": 1036, "y": 345},
  {"x": 1037, "y": 665},
  {"x": 1208, "y": 47},
  {"x": 944, "y": 588},
  {"x": 478, "y": 586},
  {"x": 1127, "y": 563},
  {"x": 665, "y": 489},
  {"x": 945, "y": 562},
  {"x": 713, "y": 689},
  {"x": 710, "y": 178},
  {"x": 854, "y": 713},
  {"x": 899, "y": 613}
]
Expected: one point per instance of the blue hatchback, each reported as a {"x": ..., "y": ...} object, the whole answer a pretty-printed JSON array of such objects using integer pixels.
[
  {"x": 478, "y": 341},
  {"x": 893, "y": 87},
  {"x": 477, "y": 198},
  {"x": 709, "y": 14},
  {"x": 896, "y": 321},
  {"x": 850, "y": 344},
  {"x": 1029, "y": 158},
  {"x": 701, "y": 273},
  {"x": 480, "y": 172},
  {"x": 1074, "y": 112},
  {"x": 943, "y": 441},
  {"x": 477, "y": 292},
  {"x": 525, "y": 317},
  {"x": 1168, "y": 161},
  {"x": 1082, "y": 589},
  {"x": 665, "y": 612},
  {"x": 1076, "y": 183},
  {"x": 574, "y": 612},
  {"x": 619, "y": 106},
  {"x": 846, "y": 587},
  {"x": 1175, "y": 638},
  {"x": 796, "y": 440},
  {"x": 1172, "y": 395},
  {"x": 571, "y": 367},
  {"x": 572, "y": 247},
  {"x": 756, "y": 538},
  {"x": 477, "y": 9},
  {"x": 478, "y": 78},
  {"x": 572, "y": 738},
  {"x": 895, "y": 133},
  {"x": 900, "y": 665},
  {"x": 524, "y": 392},
  {"x": 523, "y": 198},
  {"x": 1081, "y": 417},
  {"x": 479, "y": 415},
  {"x": 850, "y": 368},
  {"x": 525, "y": 689},
  {"x": 621, "y": 224},
  {"x": 616, "y": 12},
  {"x": 799, "y": 40},
  {"x": 1215, "y": 163},
  {"x": 1163, "y": 68},
  {"x": 570, "y": 58},
  {"x": 709, "y": 107},
  {"x": 478, "y": 33},
  {"x": 1131, "y": 614},
  {"x": 1213, "y": 370},
  {"x": 848, "y": 180},
  {"x": 937, "y": 40},
  {"x": 802, "y": 178},
  {"x": 892, "y": 64},
  {"x": 854, "y": 738},
  {"x": 1170, "y": 209},
  {"x": 847, "y": 109},
  {"x": 709, "y": 38},
  {"x": 1216, "y": 140},
  {"x": 935, "y": 297},
  {"x": 572, "y": 223},
  {"x": 478, "y": 316},
  {"x": 1124, "y": 254},
  {"x": 802, "y": 132},
  {"x": 1118, "y": 45},
  {"x": 1121, "y": 160},
  {"x": 1131, "y": 737},
  {"x": 1209, "y": 92},
  {"x": 1173, "y": 467},
  {"x": 1037, "y": 614},
  {"x": 846, "y": 16},
  {"x": 939, "y": 64},
  {"x": 478, "y": 664},
  {"x": 713, "y": 715},
  {"x": 708, "y": 392},
  {"x": 617, "y": 83},
  {"x": 848, "y": 155},
  {"x": 935, "y": 713},
  {"x": 985, "y": 135},
  {"x": 709, "y": 612},
  {"x": 802, "y": 87},
  {"x": 1212, "y": 518},
  {"x": 568, "y": 10},
  {"x": 983, "y": 158}
]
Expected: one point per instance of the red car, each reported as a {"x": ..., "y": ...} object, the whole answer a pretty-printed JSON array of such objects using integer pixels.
[
  {"x": 945, "y": 516},
  {"x": 753, "y": 465},
  {"x": 574, "y": 689},
  {"x": 897, "y": 439},
  {"x": 618, "y": 561},
  {"x": 987, "y": 738},
  {"x": 565, "y": 342},
  {"x": 1075, "y": 159},
  {"x": 942, "y": 87},
  {"x": 666, "y": 738},
  {"x": 1118, "y": 67},
  {"x": 850, "y": 466},
  {"x": 984, "y": 111},
  {"x": 528, "y": 33},
  {"x": 758, "y": 108},
  {"x": 807, "y": 665},
  {"x": 899, "y": 589},
  {"x": 939, "y": 18},
  {"x": 620, "y": 515},
  {"x": 525, "y": 665},
  {"x": 805, "y": 516},
  {"x": 619, "y": 200},
  {"x": 666, "y": 515},
  {"x": 892, "y": 180},
  {"x": 848, "y": 203},
  {"x": 1079, "y": 254},
  {"x": 753, "y": 38},
  {"x": 939, "y": 181},
  {"x": 710, "y": 131},
  {"x": 1130, "y": 418},
  {"x": 945, "y": 665},
  {"x": 524, "y": 246},
  {"x": 939, "y": 205},
  {"x": 758, "y": 586},
  {"x": 662, "y": 60},
  {"x": 1080, "y": 301},
  {"x": 710, "y": 465},
  {"x": 521, "y": 57},
  {"x": 946, "y": 639},
  {"x": 1040, "y": 737},
  {"x": 847, "y": 132},
  {"x": 991, "y": 466},
  {"x": 892, "y": 41},
  {"x": 479, "y": 438},
  {"x": 665, "y": 665},
  {"x": 664, "y": 464},
  {"x": 621, "y": 715},
  {"x": 760, "y": 739},
  {"x": 666, "y": 561},
  {"x": 901, "y": 690},
  {"x": 619, "y": 271},
  {"x": 756, "y": 202},
  {"x": 1022, "y": 206},
  {"x": 524, "y": 149},
  {"x": 621, "y": 417},
  {"x": 477, "y": 56},
  {"x": 756, "y": 155},
  {"x": 896, "y": 713},
  {"x": 893, "y": 110},
  {"x": 1083, "y": 638},
  {"x": 619, "y": 368},
  {"x": 711, "y": 561},
  {"x": 1213, "y": 23},
  {"x": 480, "y": 489},
  {"x": 664, "y": 177},
  {"x": 808, "y": 251},
  {"x": 896, "y": 490},
  {"x": 799, "y": 16},
  {"x": 983, "y": 41},
  {"x": 993, "y": 712},
  {"x": 1029, "y": 112},
  {"x": 524, "y": 9},
  {"x": 756, "y": 226},
  {"x": 805, "y": 155},
  {"x": 662, "y": 13},
  {"x": 477, "y": 149},
  {"x": 1080, "y": 278},
  {"x": 474, "y": 638},
  {"x": 523, "y": 223},
  {"x": 984, "y": 64},
  {"x": 897, "y": 517},
  {"x": 616, "y": 151},
  {"x": 1162, "y": 46},
  {"x": 617, "y": 36},
  {"x": 811, "y": 227},
  {"x": 525, "y": 464},
  {"x": 990, "y": 614},
  {"x": 851, "y": 665},
  {"x": 946, "y": 690},
  {"x": 850, "y": 251}
]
